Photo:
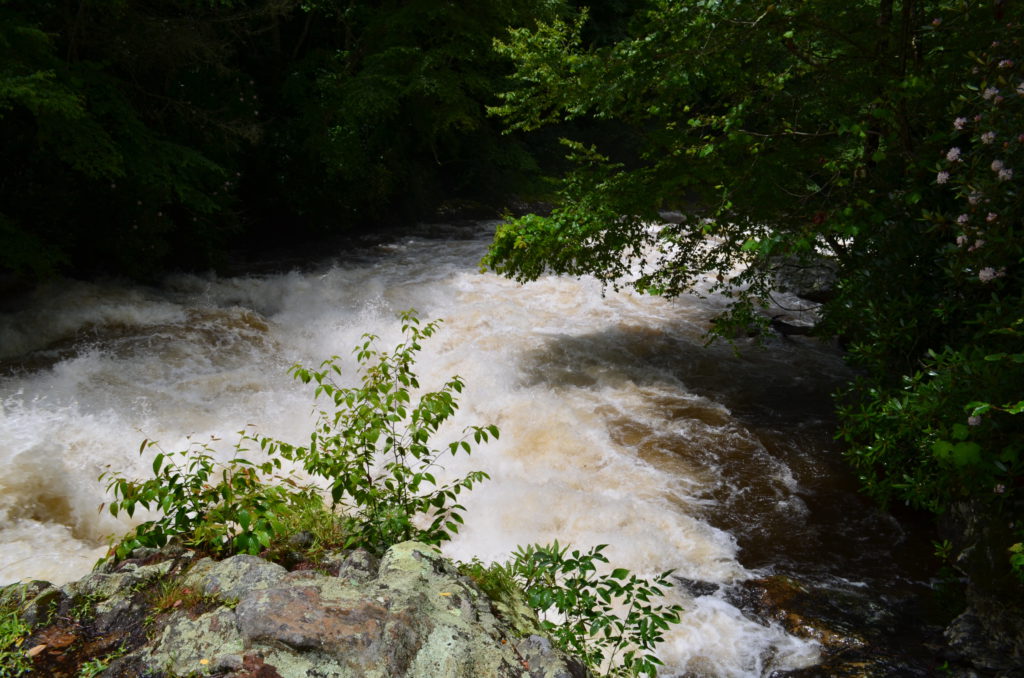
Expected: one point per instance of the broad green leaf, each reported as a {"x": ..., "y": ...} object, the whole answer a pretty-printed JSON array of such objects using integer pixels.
[{"x": 966, "y": 453}]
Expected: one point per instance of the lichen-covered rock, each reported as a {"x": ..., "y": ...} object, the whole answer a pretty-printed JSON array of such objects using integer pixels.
[
  {"x": 231, "y": 578},
  {"x": 544, "y": 661},
  {"x": 408, "y": 615},
  {"x": 418, "y": 617},
  {"x": 98, "y": 594},
  {"x": 359, "y": 565},
  {"x": 35, "y": 601},
  {"x": 194, "y": 646},
  {"x": 312, "y": 612}
]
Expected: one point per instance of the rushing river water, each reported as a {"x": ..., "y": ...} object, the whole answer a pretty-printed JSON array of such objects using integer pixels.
[{"x": 618, "y": 425}]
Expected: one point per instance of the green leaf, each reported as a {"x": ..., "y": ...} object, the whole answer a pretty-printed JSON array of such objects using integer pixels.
[
  {"x": 966, "y": 453},
  {"x": 977, "y": 408},
  {"x": 942, "y": 449}
]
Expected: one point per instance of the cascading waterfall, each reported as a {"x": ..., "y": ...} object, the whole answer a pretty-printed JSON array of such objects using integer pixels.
[{"x": 618, "y": 425}]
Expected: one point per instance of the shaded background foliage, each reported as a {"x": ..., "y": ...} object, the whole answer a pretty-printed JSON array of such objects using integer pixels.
[{"x": 144, "y": 135}]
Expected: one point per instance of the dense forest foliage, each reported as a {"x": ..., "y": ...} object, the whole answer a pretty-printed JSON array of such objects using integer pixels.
[
  {"x": 142, "y": 135},
  {"x": 883, "y": 137}
]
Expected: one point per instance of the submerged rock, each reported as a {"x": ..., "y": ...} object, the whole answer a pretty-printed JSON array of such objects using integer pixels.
[
  {"x": 859, "y": 638},
  {"x": 812, "y": 278},
  {"x": 410, "y": 615}
]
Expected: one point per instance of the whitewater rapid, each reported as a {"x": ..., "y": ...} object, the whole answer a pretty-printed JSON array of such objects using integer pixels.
[{"x": 618, "y": 426}]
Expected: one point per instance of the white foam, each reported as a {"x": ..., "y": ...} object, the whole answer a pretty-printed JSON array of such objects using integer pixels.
[
  {"x": 716, "y": 640},
  {"x": 583, "y": 388}
]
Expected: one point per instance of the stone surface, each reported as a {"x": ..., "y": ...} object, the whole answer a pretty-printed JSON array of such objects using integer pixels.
[
  {"x": 697, "y": 587},
  {"x": 312, "y": 613},
  {"x": 989, "y": 635},
  {"x": 188, "y": 646},
  {"x": 359, "y": 565},
  {"x": 36, "y": 601},
  {"x": 813, "y": 280},
  {"x": 229, "y": 579},
  {"x": 543, "y": 661},
  {"x": 408, "y": 615}
]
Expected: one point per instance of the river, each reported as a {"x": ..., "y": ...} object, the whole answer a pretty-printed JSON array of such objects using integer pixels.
[{"x": 618, "y": 426}]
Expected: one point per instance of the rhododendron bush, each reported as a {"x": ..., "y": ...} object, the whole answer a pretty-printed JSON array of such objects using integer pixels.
[{"x": 884, "y": 137}]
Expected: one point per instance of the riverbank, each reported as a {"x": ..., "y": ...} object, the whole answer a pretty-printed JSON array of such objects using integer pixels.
[
  {"x": 410, "y": 614},
  {"x": 169, "y": 613}
]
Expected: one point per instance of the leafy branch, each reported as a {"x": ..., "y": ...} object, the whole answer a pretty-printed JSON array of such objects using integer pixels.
[
  {"x": 370, "y": 445},
  {"x": 610, "y": 621}
]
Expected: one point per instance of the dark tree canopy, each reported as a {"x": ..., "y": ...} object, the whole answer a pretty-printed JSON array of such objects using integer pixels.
[
  {"x": 151, "y": 134},
  {"x": 884, "y": 136}
]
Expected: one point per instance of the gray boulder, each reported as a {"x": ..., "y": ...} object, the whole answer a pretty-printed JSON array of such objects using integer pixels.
[{"x": 410, "y": 615}]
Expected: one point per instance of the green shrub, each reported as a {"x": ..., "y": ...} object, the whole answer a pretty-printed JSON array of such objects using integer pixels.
[
  {"x": 612, "y": 622},
  {"x": 1017, "y": 558},
  {"x": 223, "y": 508},
  {"x": 498, "y": 582},
  {"x": 371, "y": 446}
]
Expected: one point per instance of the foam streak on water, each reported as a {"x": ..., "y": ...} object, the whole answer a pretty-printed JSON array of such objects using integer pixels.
[{"x": 604, "y": 438}]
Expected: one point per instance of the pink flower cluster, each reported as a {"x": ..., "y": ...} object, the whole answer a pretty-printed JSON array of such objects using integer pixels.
[
  {"x": 988, "y": 274},
  {"x": 994, "y": 140},
  {"x": 1003, "y": 172}
]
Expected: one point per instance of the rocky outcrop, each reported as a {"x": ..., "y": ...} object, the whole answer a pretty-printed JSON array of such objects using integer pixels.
[
  {"x": 160, "y": 615},
  {"x": 989, "y": 634},
  {"x": 810, "y": 278}
]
